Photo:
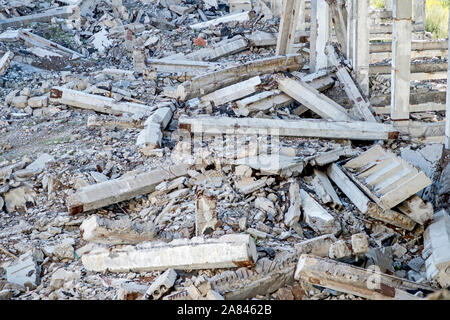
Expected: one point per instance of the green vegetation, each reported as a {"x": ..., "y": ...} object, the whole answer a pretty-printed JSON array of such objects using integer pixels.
[{"x": 436, "y": 16}]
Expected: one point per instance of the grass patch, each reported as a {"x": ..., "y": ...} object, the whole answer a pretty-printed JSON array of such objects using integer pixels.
[{"x": 437, "y": 18}]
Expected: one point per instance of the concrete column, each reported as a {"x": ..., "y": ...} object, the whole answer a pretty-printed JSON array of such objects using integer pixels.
[
  {"x": 350, "y": 29},
  {"x": 301, "y": 23},
  {"x": 419, "y": 16},
  {"x": 401, "y": 59},
  {"x": 320, "y": 31},
  {"x": 288, "y": 26},
  {"x": 388, "y": 5},
  {"x": 361, "y": 43},
  {"x": 447, "y": 112}
]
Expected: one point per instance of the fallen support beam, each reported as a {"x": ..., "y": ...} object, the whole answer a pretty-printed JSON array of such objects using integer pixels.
[
  {"x": 32, "y": 39},
  {"x": 416, "y": 45},
  {"x": 221, "y": 49},
  {"x": 181, "y": 67},
  {"x": 95, "y": 102},
  {"x": 229, "y": 251},
  {"x": 235, "y": 17},
  {"x": 362, "y": 107},
  {"x": 126, "y": 123},
  {"x": 289, "y": 128},
  {"x": 213, "y": 81},
  {"x": 424, "y": 107},
  {"x": 328, "y": 194},
  {"x": 385, "y": 178},
  {"x": 151, "y": 137},
  {"x": 231, "y": 93},
  {"x": 369, "y": 284},
  {"x": 313, "y": 99},
  {"x": 113, "y": 191},
  {"x": 105, "y": 231},
  {"x": 61, "y": 12},
  {"x": 5, "y": 61},
  {"x": 316, "y": 216}
]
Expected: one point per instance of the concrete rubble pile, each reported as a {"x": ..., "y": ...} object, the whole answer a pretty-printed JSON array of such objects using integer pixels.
[{"x": 180, "y": 150}]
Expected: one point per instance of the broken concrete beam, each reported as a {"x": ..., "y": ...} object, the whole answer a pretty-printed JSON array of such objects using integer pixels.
[
  {"x": 5, "y": 61},
  {"x": 385, "y": 178},
  {"x": 363, "y": 109},
  {"x": 46, "y": 16},
  {"x": 289, "y": 128},
  {"x": 210, "y": 82},
  {"x": 436, "y": 249},
  {"x": 105, "y": 231},
  {"x": 318, "y": 246},
  {"x": 161, "y": 285},
  {"x": 35, "y": 40},
  {"x": 221, "y": 49},
  {"x": 294, "y": 212},
  {"x": 229, "y": 251},
  {"x": 390, "y": 216},
  {"x": 325, "y": 190},
  {"x": 126, "y": 123},
  {"x": 369, "y": 284},
  {"x": 206, "y": 219},
  {"x": 313, "y": 99},
  {"x": 249, "y": 185},
  {"x": 316, "y": 216},
  {"x": 273, "y": 164},
  {"x": 131, "y": 291},
  {"x": 181, "y": 67},
  {"x": 231, "y": 93},
  {"x": 95, "y": 102},
  {"x": 267, "y": 100},
  {"x": 328, "y": 157},
  {"x": 151, "y": 137},
  {"x": 418, "y": 210},
  {"x": 234, "y": 17},
  {"x": 113, "y": 191}
]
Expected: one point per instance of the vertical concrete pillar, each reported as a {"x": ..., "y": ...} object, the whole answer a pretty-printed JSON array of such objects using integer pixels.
[
  {"x": 401, "y": 59},
  {"x": 447, "y": 112},
  {"x": 288, "y": 26},
  {"x": 361, "y": 43},
  {"x": 388, "y": 5},
  {"x": 350, "y": 30},
  {"x": 301, "y": 24},
  {"x": 320, "y": 31},
  {"x": 419, "y": 17}
]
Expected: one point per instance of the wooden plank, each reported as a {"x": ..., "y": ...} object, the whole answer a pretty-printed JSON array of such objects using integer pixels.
[
  {"x": 290, "y": 128},
  {"x": 313, "y": 99},
  {"x": 114, "y": 191}
]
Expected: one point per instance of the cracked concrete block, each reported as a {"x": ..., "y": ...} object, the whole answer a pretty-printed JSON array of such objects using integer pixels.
[
  {"x": 38, "y": 102},
  {"x": 19, "y": 199},
  {"x": 61, "y": 277},
  {"x": 228, "y": 251},
  {"x": 206, "y": 219},
  {"x": 265, "y": 205},
  {"x": 294, "y": 211},
  {"x": 316, "y": 216},
  {"x": 124, "y": 231},
  {"x": 131, "y": 291},
  {"x": 161, "y": 285},
  {"x": 318, "y": 246},
  {"x": 360, "y": 243},
  {"x": 339, "y": 250},
  {"x": 24, "y": 271}
]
